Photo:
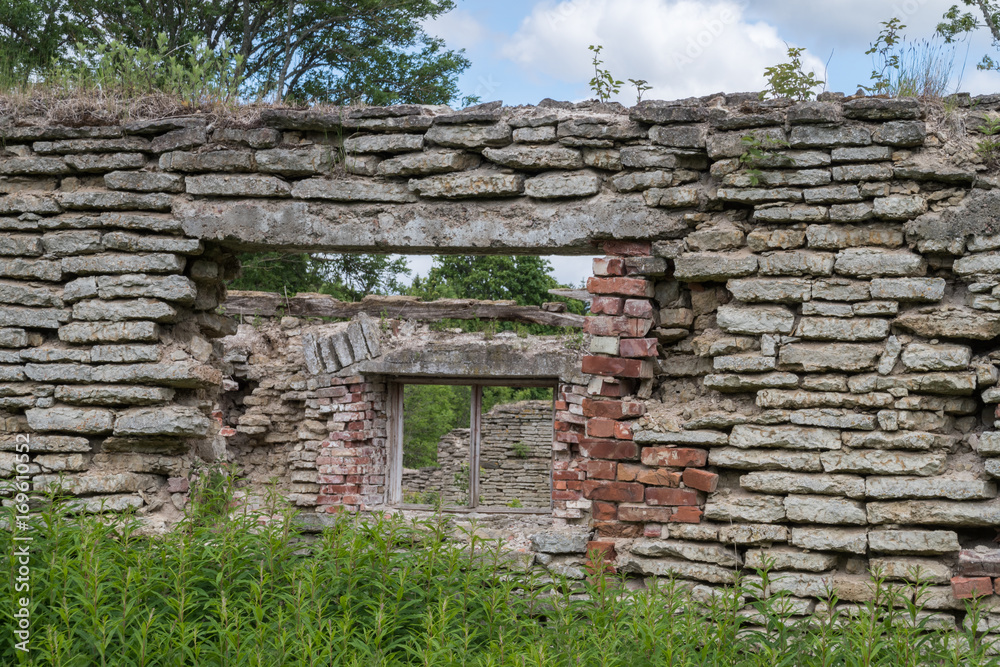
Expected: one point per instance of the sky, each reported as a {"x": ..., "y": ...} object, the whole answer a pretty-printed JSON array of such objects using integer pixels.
[{"x": 523, "y": 51}]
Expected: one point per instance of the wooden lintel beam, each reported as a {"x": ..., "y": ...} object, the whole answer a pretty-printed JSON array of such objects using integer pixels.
[{"x": 267, "y": 304}]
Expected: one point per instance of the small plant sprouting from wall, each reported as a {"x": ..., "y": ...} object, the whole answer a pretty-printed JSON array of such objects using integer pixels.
[
  {"x": 757, "y": 151},
  {"x": 788, "y": 79},
  {"x": 603, "y": 84},
  {"x": 989, "y": 147},
  {"x": 521, "y": 450}
]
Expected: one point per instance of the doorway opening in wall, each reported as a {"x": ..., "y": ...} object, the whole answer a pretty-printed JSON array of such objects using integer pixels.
[{"x": 471, "y": 446}]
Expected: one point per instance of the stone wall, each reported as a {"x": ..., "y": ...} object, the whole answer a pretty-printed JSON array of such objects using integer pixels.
[{"x": 791, "y": 358}]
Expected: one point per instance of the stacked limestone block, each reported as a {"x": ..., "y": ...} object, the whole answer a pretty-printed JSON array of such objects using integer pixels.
[
  {"x": 448, "y": 481},
  {"x": 106, "y": 316},
  {"x": 516, "y": 455},
  {"x": 842, "y": 427}
]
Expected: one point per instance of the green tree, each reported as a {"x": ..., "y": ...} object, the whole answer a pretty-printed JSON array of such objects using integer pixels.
[
  {"x": 346, "y": 277},
  {"x": 524, "y": 279},
  {"x": 339, "y": 51},
  {"x": 429, "y": 412},
  {"x": 958, "y": 23}
]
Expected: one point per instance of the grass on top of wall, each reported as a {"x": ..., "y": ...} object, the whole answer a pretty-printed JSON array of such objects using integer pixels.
[{"x": 240, "y": 587}]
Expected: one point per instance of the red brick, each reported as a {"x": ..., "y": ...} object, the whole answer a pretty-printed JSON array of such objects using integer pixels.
[
  {"x": 559, "y": 486},
  {"x": 607, "y": 305},
  {"x": 637, "y": 347},
  {"x": 605, "y": 549},
  {"x": 618, "y": 492},
  {"x": 609, "y": 266},
  {"x": 604, "y": 511},
  {"x": 964, "y": 588},
  {"x": 560, "y": 405},
  {"x": 567, "y": 474},
  {"x": 612, "y": 409},
  {"x": 686, "y": 515},
  {"x": 615, "y": 366},
  {"x": 644, "y": 513},
  {"x": 653, "y": 530},
  {"x": 565, "y": 495},
  {"x": 601, "y": 428},
  {"x": 659, "y": 477},
  {"x": 624, "y": 286},
  {"x": 701, "y": 480},
  {"x": 623, "y": 430},
  {"x": 679, "y": 457},
  {"x": 569, "y": 437},
  {"x": 627, "y": 472},
  {"x": 615, "y": 388},
  {"x": 576, "y": 486},
  {"x": 659, "y": 495},
  {"x": 628, "y": 248},
  {"x": 601, "y": 469},
  {"x": 639, "y": 308},
  {"x": 603, "y": 325},
  {"x": 608, "y": 449},
  {"x": 615, "y": 529}
]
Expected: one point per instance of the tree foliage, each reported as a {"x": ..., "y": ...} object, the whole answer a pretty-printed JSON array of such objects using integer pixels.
[
  {"x": 339, "y": 51},
  {"x": 524, "y": 279},
  {"x": 958, "y": 23},
  {"x": 346, "y": 277}
]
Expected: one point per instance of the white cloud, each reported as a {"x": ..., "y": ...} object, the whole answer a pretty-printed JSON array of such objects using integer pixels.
[
  {"x": 459, "y": 29},
  {"x": 681, "y": 47}
]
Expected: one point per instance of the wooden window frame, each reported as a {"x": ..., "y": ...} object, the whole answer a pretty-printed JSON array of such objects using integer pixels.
[{"x": 394, "y": 458}]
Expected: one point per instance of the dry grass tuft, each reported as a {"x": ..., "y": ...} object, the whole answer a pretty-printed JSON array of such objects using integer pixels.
[{"x": 58, "y": 106}]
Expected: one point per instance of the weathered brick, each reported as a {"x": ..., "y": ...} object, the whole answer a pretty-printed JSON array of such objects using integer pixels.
[
  {"x": 668, "y": 496},
  {"x": 623, "y": 286},
  {"x": 637, "y": 347},
  {"x": 702, "y": 480},
  {"x": 619, "y": 492},
  {"x": 607, "y": 305},
  {"x": 680, "y": 457},
  {"x": 608, "y": 449},
  {"x": 628, "y": 368},
  {"x": 612, "y": 409},
  {"x": 964, "y": 588},
  {"x": 631, "y": 327}
]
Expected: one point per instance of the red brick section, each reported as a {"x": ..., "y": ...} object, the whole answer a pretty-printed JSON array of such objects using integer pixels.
[
  {"x": 964, "y": 588},
  {"x": 666, "y": 484},
  {"x": 351, "y": 462}
]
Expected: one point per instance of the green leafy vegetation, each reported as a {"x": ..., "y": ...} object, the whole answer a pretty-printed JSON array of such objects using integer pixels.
[
  {"x": 958, "y": 24},
  {"x": 919, "y": 69},
  {"x": 337, "y": 51},
  {"x": 757, "y": 152},
  {"x": 603, "y": 83},
  {"x": 346, "y": 277},
  {"x": 988, "y": 148},
  {"x": 249, "y": 589},
  {"x": 788, "y": 79}
]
